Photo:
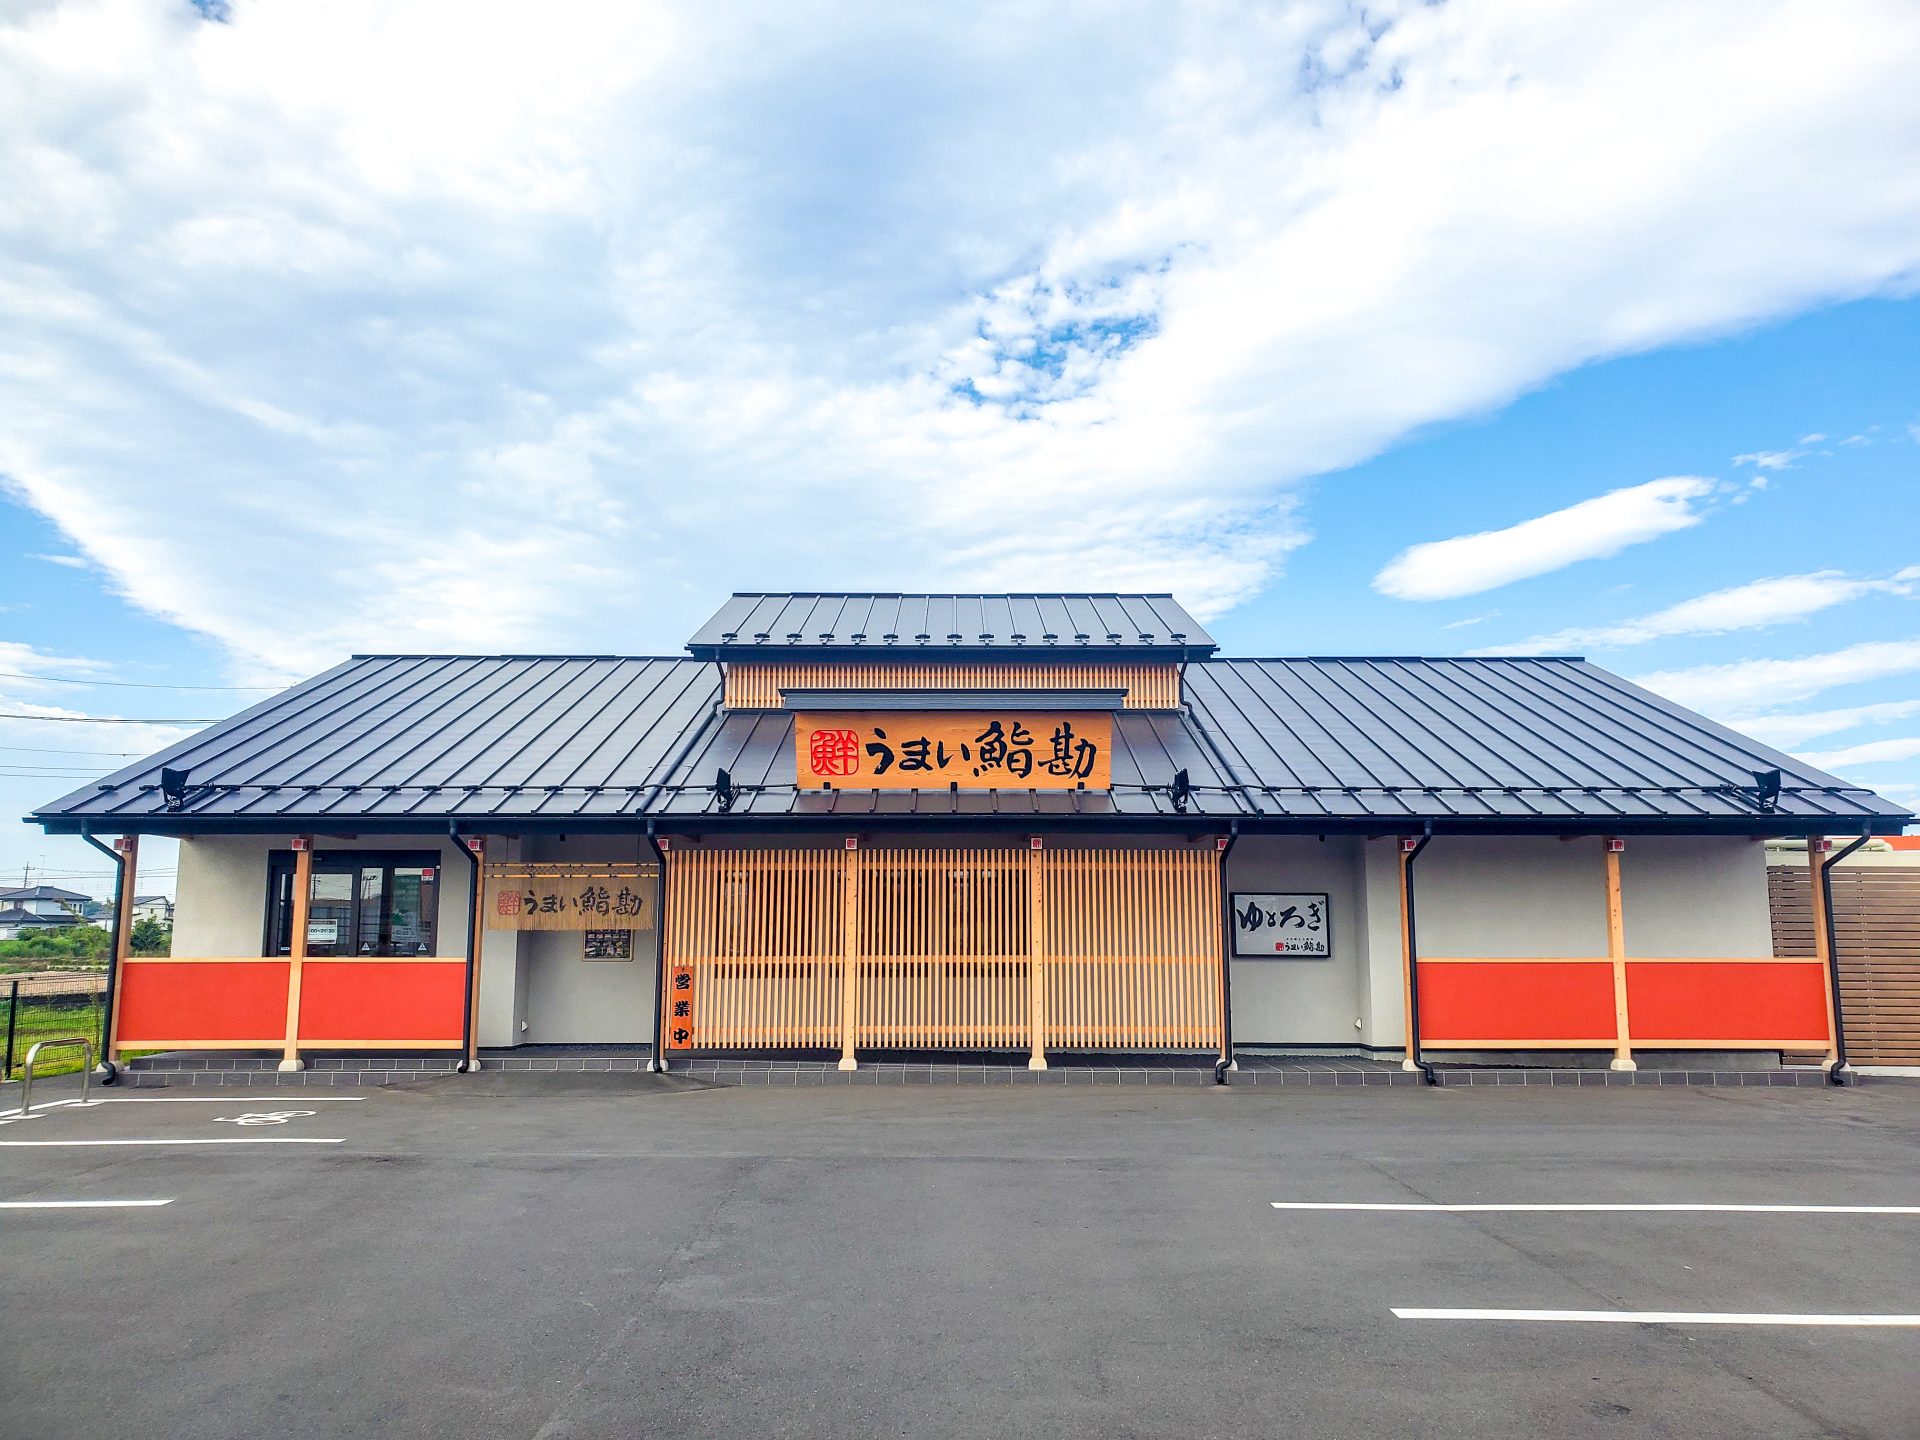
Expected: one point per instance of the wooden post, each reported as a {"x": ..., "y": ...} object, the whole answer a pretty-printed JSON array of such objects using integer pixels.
[
  {"x": 478, "y": 871},
  {"x": 1406, "y": 955},
  {"x": 129, "y": 848},
  {"x": 297, "y": 948},
  {"x": 1036, "y": 954},
  {"x": 1617, "y": 953},
  {"x": 850, "y": 958},
  {"x": 1816, "y": 855}
]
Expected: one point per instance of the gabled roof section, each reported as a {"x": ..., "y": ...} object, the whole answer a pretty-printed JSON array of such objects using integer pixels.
[
  {"x": 820, "y": 624},
  {"x": 40, "y": 892},
  {"x": 500, "y": 743}
]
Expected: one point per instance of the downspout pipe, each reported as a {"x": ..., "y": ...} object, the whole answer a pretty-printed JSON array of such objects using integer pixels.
[
  {"x": 1835, "y": 1071},
  {"x": 1413, "y": 964},
  {"x": 107, "y": 1070},
  {"x": 473, "y": 946},
  {"x": 657, "y": 1059},
  {"x": 1225, "y": 1062}
]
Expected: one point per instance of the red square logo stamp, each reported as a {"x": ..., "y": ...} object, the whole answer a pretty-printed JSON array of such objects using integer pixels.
[{"x": 834, "y": 752}]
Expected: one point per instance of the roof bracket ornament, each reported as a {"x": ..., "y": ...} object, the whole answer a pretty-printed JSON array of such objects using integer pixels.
[
  {"x": 1181, "y": 791},
  {"x": 173, "y": 789},
  {"x": 1766, "y": 790}
]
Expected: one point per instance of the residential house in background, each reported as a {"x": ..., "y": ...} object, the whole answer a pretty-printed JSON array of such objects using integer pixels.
[
  {"x": 38, "y": 907},
  {"x": 158, "y": 908}
]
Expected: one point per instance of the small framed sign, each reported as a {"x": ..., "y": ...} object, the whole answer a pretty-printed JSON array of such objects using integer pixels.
[
  {"x": 607, "y": 945},
  {"x": 1292, "y": 927}
]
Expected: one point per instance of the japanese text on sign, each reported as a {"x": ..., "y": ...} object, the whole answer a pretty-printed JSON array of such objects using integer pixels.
[
  {"x": 610, "y": 898},
  {"x": 976, "y": 751},
  {"x": 1289, "y": 925},
  {"x": 679, "y": 1017}
]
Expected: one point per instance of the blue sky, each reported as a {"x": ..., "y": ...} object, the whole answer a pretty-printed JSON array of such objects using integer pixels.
[{"x": 1390, "y": 328}]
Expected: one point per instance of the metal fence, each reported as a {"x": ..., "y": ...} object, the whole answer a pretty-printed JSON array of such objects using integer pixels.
[{"x": 48, "y": 1007}]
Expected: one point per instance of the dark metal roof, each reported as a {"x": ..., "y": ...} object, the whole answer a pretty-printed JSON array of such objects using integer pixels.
[
  {"x": 391, "y": 742},
  {"x": 1143, "y": 626},
  {"x": 41, "y": 892}
]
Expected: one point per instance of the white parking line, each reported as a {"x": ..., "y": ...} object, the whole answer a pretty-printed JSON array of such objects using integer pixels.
[
  {"x": 1606, "y": 1208},
  {"x": 220, "y": 1099},
  {"x": 1661, "y": 1317},
  {"x": 198, "y": 1140},
  {"x": 81, "y": 1204}
]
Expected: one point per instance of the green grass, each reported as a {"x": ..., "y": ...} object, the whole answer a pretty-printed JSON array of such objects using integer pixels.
[{"x": 39, "y": 1020}]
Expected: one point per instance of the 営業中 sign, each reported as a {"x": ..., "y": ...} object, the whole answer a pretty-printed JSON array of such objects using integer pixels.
[
  {"x": 1296, "y": 926},
  {"x": 983, "y": 750}
]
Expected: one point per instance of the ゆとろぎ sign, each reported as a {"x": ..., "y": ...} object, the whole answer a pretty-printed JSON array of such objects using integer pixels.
[
  {"x": 570, "y": 897},
  {"x": 931, "y": 750},
  {"x": 1300, "y": 926}
]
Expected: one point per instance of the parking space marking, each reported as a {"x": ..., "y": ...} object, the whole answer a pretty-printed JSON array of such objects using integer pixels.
[
  {"x": 195, "y": 1140},
  {"x": 1603, "y": 1208},
  {"x": 1662, "y": 1317},
  {"x": 220, "y": 1099},
  {"x": 81, "y": 1204}
]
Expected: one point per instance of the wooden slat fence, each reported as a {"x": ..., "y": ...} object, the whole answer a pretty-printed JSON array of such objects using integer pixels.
[
  {"x": 761, "y": 931},
  {"x": 1132, "y": 940},
  {"x": 1876, "y": 921},
  {"x": 756, "y": 685},
  {"x": 943, "y": 947}
]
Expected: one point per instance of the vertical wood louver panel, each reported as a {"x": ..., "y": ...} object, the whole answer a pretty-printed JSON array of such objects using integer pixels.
[
  {"x": 1876, "y": 921},
  {"x": 946, "y": 941},
  {"x": 760, "y": 930},
  {"x": 1134, "y": 956},
  {"x": 757, "y": 686}
]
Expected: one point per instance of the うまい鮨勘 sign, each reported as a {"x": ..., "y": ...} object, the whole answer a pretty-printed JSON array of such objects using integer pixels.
[{"x": 987, "y": 750}]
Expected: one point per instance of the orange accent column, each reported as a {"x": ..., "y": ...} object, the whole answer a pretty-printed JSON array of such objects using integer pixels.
[
  {"x": 1617, "y": 953},
  {"x": 850, "y": 958},
  {"x": 129, "y": 848},
  {"x": 1816, "y": 851},
  {"x": 297, "y": 948},
  {"x": 1406, "y": 955},
  {"x": 478, "y": 871},
  {"x": 1036, "y": 954}
]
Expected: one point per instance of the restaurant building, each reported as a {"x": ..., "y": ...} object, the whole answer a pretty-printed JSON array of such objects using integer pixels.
[{"x": 849, "y": 825}]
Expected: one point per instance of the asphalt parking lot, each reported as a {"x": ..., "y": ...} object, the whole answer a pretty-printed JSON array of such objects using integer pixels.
[{"x": 585, "y": 1256}]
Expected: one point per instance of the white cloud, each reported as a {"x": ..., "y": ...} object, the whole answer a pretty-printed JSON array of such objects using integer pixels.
[
  {"x": 1745, "y": 685},
  {"x": 71, "y": 562},
  {"x": 1590, "y": 530},
  {"x": 446, "y": 324},
  {"x": 1753, "y": 606},
  {"x": 1874, "y": 752},
  {"x": 1790, "y": 731},
  {"x": 20, "y": 659},
  {"x": 1769, "y": 459}
]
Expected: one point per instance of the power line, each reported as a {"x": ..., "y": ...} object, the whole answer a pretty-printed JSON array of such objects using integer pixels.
[
  {"x": 110, "y": 754},
  {"x": 97, "y": 719},
  {"x": 135, "y": 684}
]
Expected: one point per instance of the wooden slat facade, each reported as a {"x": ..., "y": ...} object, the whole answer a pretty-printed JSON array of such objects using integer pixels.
[
  {"x": 1876, "y": 914},
  {"x": 948, "y": 948},
  {"x": 757, "y": 686}
]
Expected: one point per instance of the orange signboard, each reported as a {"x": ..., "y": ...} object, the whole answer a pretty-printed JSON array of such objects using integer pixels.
[
  {"x": 931, "y": 750},
  {"x": 679, "y": 1017}
]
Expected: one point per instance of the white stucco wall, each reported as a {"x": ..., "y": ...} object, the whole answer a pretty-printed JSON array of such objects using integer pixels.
[
  {"x": 1302, "y": 1001},
  {"x": 221, "y": 905},
  {"x": 572, "y": 1000}
]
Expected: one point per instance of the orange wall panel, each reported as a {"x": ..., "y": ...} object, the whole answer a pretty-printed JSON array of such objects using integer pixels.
[
  {"x": 1726, "y": 1000},
  {"x": 398, "y": 1000},
  {"x": 1517, "y": 1001},
  {"x": 185, "y": 1000}
]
